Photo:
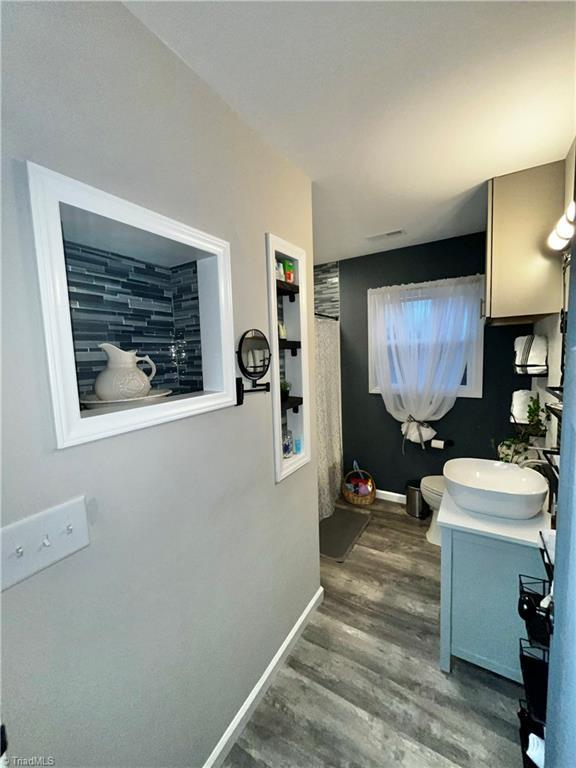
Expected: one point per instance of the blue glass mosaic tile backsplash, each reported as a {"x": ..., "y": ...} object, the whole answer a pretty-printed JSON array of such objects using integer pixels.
[
  {"x": 327, "y": 289},
  {"x": 134, "y": 305}
]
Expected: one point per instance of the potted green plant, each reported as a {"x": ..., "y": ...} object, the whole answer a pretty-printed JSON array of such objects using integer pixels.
[
  {"x": 285, "y": 388},
  {"x": 519, "y": 447}
]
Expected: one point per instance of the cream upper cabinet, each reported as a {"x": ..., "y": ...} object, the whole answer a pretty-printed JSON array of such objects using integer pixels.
[{"x": 523, "y": 277}]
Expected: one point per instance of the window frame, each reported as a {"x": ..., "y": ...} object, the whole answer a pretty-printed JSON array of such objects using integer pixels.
[{"x": 474, "y": 365}]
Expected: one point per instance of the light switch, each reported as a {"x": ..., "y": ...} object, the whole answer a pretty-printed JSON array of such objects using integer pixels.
[{"x": 34, "y": 543}]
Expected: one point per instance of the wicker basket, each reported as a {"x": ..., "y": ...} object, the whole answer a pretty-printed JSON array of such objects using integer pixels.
[{"x": 359, "y": 478}]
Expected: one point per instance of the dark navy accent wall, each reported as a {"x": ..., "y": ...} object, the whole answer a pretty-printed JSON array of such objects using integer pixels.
[
  {"x": 370, "y": 434},
  {"x": 134, "y": 305}
]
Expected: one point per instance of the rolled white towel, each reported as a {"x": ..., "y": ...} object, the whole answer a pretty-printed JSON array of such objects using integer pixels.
[
  {"x": 536, "y": 749},
  {"x": 519, "y": 410},
  {"x": 417, "y": 432},
  {"x": 531, "y": 354},
  {"x": 545, "y": 602}
]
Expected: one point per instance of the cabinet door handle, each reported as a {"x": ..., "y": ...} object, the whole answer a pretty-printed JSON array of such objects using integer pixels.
[{"x": 482, "y": 307}]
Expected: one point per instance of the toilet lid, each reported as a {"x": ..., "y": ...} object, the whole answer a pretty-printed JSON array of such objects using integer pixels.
[{"x": 434, "y": 484}]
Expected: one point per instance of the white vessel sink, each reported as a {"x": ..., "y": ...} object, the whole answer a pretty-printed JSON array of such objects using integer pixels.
[{"x": 495, "y": 487}]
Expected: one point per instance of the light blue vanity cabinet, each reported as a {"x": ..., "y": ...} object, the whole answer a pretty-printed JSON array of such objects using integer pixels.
[{"x": 481, "y": 559}]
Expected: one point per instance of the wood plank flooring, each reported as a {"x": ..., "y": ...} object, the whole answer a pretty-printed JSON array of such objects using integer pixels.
[{"x": 362, "y": 688}]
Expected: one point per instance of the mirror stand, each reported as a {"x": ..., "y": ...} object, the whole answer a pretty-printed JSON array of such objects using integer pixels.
[
  {"x": 253, "y": 356},
  {"x": 241, "y": 390}
]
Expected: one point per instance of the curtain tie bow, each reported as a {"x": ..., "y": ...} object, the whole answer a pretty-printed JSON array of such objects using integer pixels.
[{"x": 420, "y": 425}]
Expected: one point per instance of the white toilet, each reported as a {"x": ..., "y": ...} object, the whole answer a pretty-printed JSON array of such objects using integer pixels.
[{"x": 433, "y": 488}]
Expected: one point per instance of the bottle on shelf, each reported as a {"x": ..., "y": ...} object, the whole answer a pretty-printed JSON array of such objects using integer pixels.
[{"x": 288, "y": 271}]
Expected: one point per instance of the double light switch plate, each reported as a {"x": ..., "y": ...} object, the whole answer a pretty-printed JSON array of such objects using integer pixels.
[{"x": 34, "y": 543}]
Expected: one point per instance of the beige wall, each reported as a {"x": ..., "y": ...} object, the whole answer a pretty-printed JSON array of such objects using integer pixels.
[{"x": 139, "y": 650}]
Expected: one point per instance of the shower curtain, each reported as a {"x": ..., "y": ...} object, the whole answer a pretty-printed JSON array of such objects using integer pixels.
[{"x": 328, "y": 424}]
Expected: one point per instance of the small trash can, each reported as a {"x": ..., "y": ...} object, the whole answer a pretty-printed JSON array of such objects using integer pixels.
[{"x": 415, "y": 504}]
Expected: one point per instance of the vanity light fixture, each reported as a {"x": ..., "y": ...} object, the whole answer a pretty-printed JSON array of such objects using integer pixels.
[
  {"x": 559, "y": 240},
  {"x": 560, "y": 237},
  {"x": 557, "y": 243}
]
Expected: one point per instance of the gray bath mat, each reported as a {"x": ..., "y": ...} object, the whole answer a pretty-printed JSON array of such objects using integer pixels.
[{"x": 340, "y": 531}]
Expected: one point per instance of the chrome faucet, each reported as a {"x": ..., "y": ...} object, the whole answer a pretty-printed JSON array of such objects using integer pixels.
[{"x": 533, "y": 463}]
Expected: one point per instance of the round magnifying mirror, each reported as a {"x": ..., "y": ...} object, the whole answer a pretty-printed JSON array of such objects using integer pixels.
[{"x": 254, "y": 354}]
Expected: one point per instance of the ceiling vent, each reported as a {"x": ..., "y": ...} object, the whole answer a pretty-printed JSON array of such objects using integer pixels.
[{"x": 392, "y": 233}]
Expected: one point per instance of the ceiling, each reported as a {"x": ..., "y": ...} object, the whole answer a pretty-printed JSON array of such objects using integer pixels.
[{"x": 398, "y": 111}]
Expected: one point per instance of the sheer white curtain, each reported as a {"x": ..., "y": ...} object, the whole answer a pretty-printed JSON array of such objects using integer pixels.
[
  {"x": 328, "y": 428},
  {"x": 421, "y": 336}
]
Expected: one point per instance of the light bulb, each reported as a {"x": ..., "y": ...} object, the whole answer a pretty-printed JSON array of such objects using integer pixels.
[
  {"x": 564, "y": 228},
  {"x": 555, "y": 242},
  {"x": 571, "y": 212}
]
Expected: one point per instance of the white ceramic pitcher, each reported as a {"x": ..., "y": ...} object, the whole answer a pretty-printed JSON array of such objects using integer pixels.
[{"x": 122, "y": 379}]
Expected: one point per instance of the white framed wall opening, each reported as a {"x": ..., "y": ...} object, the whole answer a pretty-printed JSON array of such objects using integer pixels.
[
  {"x": 289, "y": 345},
  {"x": 137, "y": 311}
]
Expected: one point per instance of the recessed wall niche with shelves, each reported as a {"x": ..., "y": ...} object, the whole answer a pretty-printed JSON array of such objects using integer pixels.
[
  {"x": 137, "y": 312},
  {"x": 291, "y": 410}
]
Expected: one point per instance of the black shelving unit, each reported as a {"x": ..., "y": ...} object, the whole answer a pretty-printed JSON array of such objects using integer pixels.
[
  {"x": 534, "y": 652},
  {"x": 293, "y": 346},
  {"x": 534, "y": 665},
  {"x": 527, "y": 372},
  {"x": 537, "y": 618},
  {"x": 528, "y": 724},
  {"x": 552, "y": 455},
  {"x": 546, "y": 559},
  {"x": 555, "y": 409},
  {"x": 291, "y": 404},
  {"x": 556, "y": 392},
  {"x": 287, "y": 289}
]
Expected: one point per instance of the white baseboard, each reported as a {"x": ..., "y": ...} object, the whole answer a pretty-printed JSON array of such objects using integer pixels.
[
  {"x": 218, "y": 754},
  {"x": 399, "y": 498}
]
